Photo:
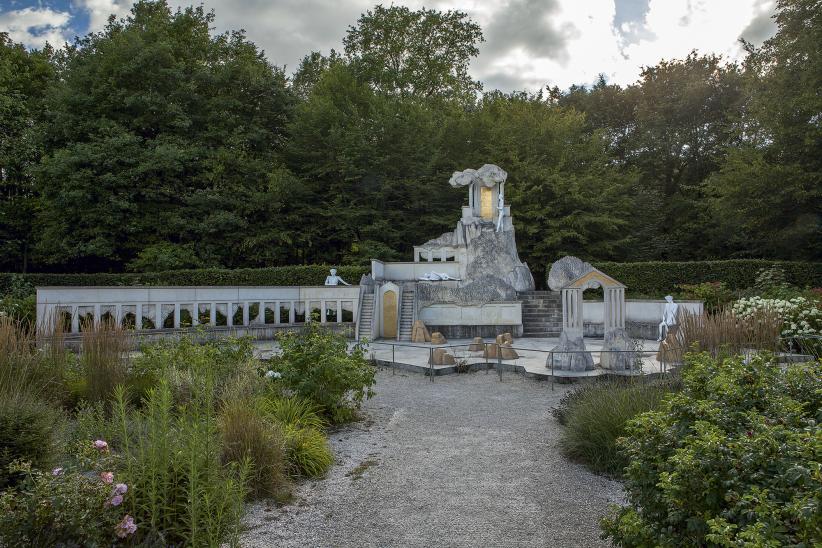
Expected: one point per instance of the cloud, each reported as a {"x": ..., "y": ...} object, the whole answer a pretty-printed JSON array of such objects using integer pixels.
[
  {"x": 100, "y": 10},
  {"x": 33, "y": 27}
]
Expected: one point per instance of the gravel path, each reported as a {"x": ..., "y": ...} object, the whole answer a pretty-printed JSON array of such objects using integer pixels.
[{"x": 464, "y": 461}]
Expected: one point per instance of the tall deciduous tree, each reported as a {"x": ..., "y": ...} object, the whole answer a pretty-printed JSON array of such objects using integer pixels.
[{"x": 160, "y": 132}]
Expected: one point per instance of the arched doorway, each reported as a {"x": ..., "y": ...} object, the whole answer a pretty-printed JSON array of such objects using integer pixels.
[{"x": 389, "y": 314}]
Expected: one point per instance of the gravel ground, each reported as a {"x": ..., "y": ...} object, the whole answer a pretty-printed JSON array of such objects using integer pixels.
[{"x": 463, "y": 461}]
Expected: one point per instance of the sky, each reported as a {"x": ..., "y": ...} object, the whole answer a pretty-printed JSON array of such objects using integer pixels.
[{"x": 529, "y": 44}]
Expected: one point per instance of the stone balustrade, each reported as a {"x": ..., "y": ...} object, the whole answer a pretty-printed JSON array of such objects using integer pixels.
[{"x": 157, "y": 308}]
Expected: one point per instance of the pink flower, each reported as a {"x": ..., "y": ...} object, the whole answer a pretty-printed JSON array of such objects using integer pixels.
[
  {"x": 120, "y": 489},
  {"x": 126, "y": 527},
  {"x": 116, "y": 500},
  {"x": 107, "y": 477},
  {"x": 57, "y": 471},
  {"x": 101, "y": 445}
]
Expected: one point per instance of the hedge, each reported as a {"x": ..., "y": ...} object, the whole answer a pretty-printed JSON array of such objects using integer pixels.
[
  {"x": 281, "y": 275},
  {"x": 660, "y": 277}
]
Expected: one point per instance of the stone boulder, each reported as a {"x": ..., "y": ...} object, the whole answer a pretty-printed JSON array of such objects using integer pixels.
[
  {"x": 441, "y": 357},
  {"x": 419, "y": 333},
  {"x": 617, "y": 352},
  {"x": 477, "y": 345},
  {"x": 438, "y": 338},
  {"x": 507, "y": 352},
  {"x": 565, "y": 271}
]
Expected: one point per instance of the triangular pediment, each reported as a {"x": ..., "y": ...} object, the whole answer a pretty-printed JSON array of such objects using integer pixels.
[{"x": 593, "y": 279}]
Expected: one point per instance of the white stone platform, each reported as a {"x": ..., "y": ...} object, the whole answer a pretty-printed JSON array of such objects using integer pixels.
[{"x": 533, "y": 354}]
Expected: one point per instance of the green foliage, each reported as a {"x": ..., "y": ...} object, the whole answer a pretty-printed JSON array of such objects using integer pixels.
[
  {"x": 734, "y": 459},
  {"x": 277, "y": 276},
  {"x": 308, "y": 451},
  {"x": 595, "y": 417},
  {"x": 714, "y": 294},
  {"x": 102, "y": 361},
  {"x": 316, "y": 364},
  {"x": 165, "y": 256},
  {"x": 246, "y": 433},
  {"x": 28, "y": 433},
  {"x": 182, "y": 493},
  {"x": 662, "y": 277},
  {"x": 293, "y": 411},
  {"x": 63, "y": 508}
]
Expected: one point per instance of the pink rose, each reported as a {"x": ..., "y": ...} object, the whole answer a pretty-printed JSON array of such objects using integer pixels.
[
  {"x": 126, "y": 527},
  {"x": 107, "y": 477},
  {"x": 101, "y": 445},
  {"x": 120, "y": 489},
  {"x": 57, "y": 471}
]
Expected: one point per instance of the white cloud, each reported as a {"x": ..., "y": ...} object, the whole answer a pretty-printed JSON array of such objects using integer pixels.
[
  {"x": 100, "y": 10},
  {"x": 34, "y": 27}
]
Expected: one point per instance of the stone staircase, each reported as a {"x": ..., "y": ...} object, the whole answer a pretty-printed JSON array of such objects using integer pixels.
[
  {"x": 541, "y": 313},
  {"x": 406, "y": 314},
  {"x": 366, "y": 316}
]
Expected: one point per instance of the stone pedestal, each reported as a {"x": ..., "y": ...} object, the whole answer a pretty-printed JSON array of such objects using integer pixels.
[
  {"x": 419, "y": 333},
  {"x": 617, "y": 352},
  {"x": 570, "y": 354},
  {"x": 477, "y": 345}
]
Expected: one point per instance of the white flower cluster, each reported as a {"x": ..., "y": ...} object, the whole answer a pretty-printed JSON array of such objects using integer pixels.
[{"x": 800, "y": 316}]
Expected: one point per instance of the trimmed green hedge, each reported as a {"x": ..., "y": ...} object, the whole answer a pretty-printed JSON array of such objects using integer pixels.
[
  {"x": 659, "y": 277},
  {"x": 281, "y": 275}
]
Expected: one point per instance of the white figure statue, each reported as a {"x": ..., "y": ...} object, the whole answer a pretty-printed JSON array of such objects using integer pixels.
[
  {"x": 436, "y": 277},
  {"x": 668, "y": 317},
  {"x": 333, "y": 279},
  {"x": 500, "y": 207}
]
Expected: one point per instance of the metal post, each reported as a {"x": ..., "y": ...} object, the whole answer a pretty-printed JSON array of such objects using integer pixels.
[
  {"x": 393, "y": 361},
  {"x": 485, "y": 355},
  {"x": 499, "y": 361},
  {"x": 551, "y": 357},
  {"x": 431, "y": 363}
]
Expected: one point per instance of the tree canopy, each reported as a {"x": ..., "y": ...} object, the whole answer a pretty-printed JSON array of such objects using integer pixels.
[{"x": 157, "y": 143}]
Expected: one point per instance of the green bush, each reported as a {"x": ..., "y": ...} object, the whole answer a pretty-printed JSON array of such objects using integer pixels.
[
  {"x": 662, "y": 277},
  {"x": 246, "y": 433},
  {"x": 28, "y": 432},
  {"x": 308, "y": 451},
  {"x": 316, "y": 364},
  {"x": 714, "y": 294},
  {"x": 294, "y": 411},
  {"x": 274, "y": 276},
  {"x": 595, "y": 416},
  {"x": 182, "y": 493},
  {"x": 64, "y": 508},
  {"x": 734, "y": 459}
]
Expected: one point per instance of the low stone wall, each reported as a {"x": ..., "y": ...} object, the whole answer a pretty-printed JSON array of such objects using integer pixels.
[
  {"x": 636, "y": 330},
  {"x": 471, "y": 331}
]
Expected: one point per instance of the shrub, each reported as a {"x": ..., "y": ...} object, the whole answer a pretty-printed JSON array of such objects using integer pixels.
[
  {"x": 799, "y": 316},
  {"x": 183, "y": 494},
  {"x": 595, "y": 417},
  {"x": 22, "y": 309},
  {"x": 316, "y": 364},
  {"x": 28, "y": 429},
  {"x": 294, "y": 411},
  {"x": 103, "y": 360},
  {"x": 733, "y": 459},
  {"x": 662, "y": 277},
  {"x": 308, "y": 451},
  {"x": 274, "y": 276},
  {"x": 245, "y": 433},
  {"x": 715, "y": 294},
  {"x": 64, "y": 508}
]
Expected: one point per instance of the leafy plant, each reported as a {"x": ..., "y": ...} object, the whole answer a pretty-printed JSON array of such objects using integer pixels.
[
  {"x": 715, "y": 294},
  {"x": 317, "y": 364},
  {"x": 28, "y": 433},
  {"x": 245, "y": 433},
  {"x": 733, "y": 459},
  {"x": 596, "y": 416}
]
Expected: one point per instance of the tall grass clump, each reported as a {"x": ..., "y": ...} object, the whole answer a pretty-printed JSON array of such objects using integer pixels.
[
  {"x": 727, "y": 333},
  {"x": 103, "y": 360},
  {"x": 182, "y": 492},
  {"x": 246, "y": 434},
  {"x": 306, "y": 443},
  {"x": 595, "y": 417},
  {"x": 29, "y": 428}
]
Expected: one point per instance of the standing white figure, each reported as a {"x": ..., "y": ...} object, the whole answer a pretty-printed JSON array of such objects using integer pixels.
[
  {"x": 500, "y": 208},
  {"x": 668, "y": 317},
  {"x": 333, "y": 279}
]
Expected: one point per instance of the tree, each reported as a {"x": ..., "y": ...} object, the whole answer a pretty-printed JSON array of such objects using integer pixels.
[
  {"x": 418, "y": 54},
  {"x": 159, "y": 132},
  {"x": 25, "y": 77}
]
